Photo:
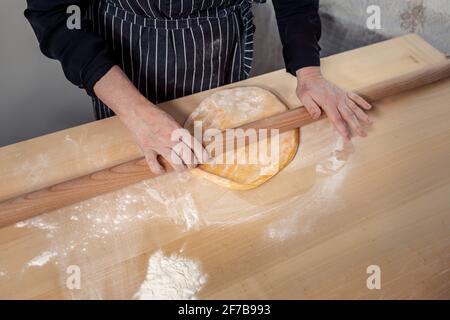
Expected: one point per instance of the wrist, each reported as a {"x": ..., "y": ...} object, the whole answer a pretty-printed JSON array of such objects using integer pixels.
[
  {"x": 138, "y": 109},
  {"x": 119, "y": 94},
  {"x": 308, "y": 73}
]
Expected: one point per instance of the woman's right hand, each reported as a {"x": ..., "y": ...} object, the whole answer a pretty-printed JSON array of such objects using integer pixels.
[
  {"x": 152, "y": 128},
  {"x": 157, "y": 133}
]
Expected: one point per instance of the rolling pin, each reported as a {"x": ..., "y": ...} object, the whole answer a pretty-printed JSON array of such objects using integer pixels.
[{"x": 69, "y": 192}]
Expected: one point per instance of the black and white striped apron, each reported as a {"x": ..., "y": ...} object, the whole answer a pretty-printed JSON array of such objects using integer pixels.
[{"x": 173, "y": 48}]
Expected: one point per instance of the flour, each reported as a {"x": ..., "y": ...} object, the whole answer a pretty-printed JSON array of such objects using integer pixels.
[
  {"x": 35, "y": 169},
  {"x": 331, "y": 173},
  {"x": 187, "y": 211},
  {"x": 39, "y": 223},
  {"x": 21, "y": 224},
  {"x": 322, "y": 199},
  {"x": 337, "y": 159},
  {"x": 179, "y": 205},
  {"x": 245, "y": 102},
  {"x": 100, "y": 220},
  {"x": 171, "y": 278},
  {"x": 68, "y": 138},
  {"x": 242, "y": 168},
  {"x": 42, "y": 259}
]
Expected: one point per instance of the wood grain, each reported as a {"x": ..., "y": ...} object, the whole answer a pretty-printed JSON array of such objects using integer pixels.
[
  {"x": 299, "y": 117},
  {"x": 76, "y": 190},
  {"x": 64, "y": 155},
  {"x": 73, "y": 191},
  {"x": 305, "y": 234}
]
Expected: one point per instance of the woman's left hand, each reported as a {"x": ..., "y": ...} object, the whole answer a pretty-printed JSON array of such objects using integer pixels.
[{"x": 344, "y": 109}]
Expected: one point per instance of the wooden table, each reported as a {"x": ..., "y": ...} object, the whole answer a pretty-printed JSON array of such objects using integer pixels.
[{"x": 311, "y": 232}]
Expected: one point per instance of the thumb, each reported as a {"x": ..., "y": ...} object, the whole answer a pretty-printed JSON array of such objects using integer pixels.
[{"x": 152, "y": 161}]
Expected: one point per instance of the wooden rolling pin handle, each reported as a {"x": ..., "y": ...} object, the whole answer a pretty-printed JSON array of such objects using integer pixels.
[
  {"x": 73, "y": 191},
  {"x": 299, "y": 117},
  {"x": 406, "y": 82},
  {"x": 76, "y": 190}
]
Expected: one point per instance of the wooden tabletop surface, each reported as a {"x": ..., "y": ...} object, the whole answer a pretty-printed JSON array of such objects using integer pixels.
[{"x": 311, "y": 232}]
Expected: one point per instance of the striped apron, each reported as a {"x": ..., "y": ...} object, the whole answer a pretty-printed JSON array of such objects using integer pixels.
[{"x": 173, "y": 48}]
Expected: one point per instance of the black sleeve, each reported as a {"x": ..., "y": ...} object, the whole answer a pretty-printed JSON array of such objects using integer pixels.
[
  {"x": 83, "y": 54},
  {"x": 300, "y": 30}
]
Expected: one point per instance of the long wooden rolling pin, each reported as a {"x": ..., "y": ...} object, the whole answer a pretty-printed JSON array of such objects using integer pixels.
[{"x": 85, "y": 187}]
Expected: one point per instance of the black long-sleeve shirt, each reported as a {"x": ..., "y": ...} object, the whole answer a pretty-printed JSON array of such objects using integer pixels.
[
  {"x": 300, "y": 30},
  {"x": 85, "y": 56}
]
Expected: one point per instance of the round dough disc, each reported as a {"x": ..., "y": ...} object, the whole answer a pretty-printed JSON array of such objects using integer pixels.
[{"x": 230, "y": 108}]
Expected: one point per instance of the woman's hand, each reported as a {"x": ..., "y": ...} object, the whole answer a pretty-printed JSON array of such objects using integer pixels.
[
  {"x": 151, "y": 127},
  {"x": 153, "y": 130},
  {"x": 344, "y": 109}
]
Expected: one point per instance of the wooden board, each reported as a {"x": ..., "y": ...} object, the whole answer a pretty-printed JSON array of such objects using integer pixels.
[{"x": 311, "y": 232}]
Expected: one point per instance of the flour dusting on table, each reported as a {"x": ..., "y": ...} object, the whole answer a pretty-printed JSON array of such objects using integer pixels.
[
  {"x": 170, "y": 278},
  {"x": 39, "y": 223},
  {"x": 42, "y": 259},
  {"x": 337, "y": 159},
  {"x": 301, "y": 220},
  {"x": 331, "y": 172},
  {"x": 179, "y": 205}
]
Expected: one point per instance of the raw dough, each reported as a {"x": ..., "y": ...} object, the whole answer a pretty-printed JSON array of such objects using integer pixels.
[{"x": 231, "y": 108}]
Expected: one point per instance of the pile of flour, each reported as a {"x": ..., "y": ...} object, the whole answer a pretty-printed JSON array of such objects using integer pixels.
[{"x": 171, "y": 277}]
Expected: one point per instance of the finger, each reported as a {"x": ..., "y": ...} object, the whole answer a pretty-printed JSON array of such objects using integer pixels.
[
  {"x": 186, "y": 154},
  {"x": 360, "y": 101},
  {"x": 351, "y": 120},
  {"x": 175, "y": 161},
  {"x": 359, "y": 113},
  {"x": 336, "y": 120},
  {"x": 200, "y": 153},
  {"x": 312, "y": 107},
  {"x": 151, "y": 157}
]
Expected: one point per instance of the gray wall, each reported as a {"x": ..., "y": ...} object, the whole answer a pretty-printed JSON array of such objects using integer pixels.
[
  {"x": 344, "y": 26},
  {"x": 36, "y": 99},
  {"x": 344, "y": 22}
]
